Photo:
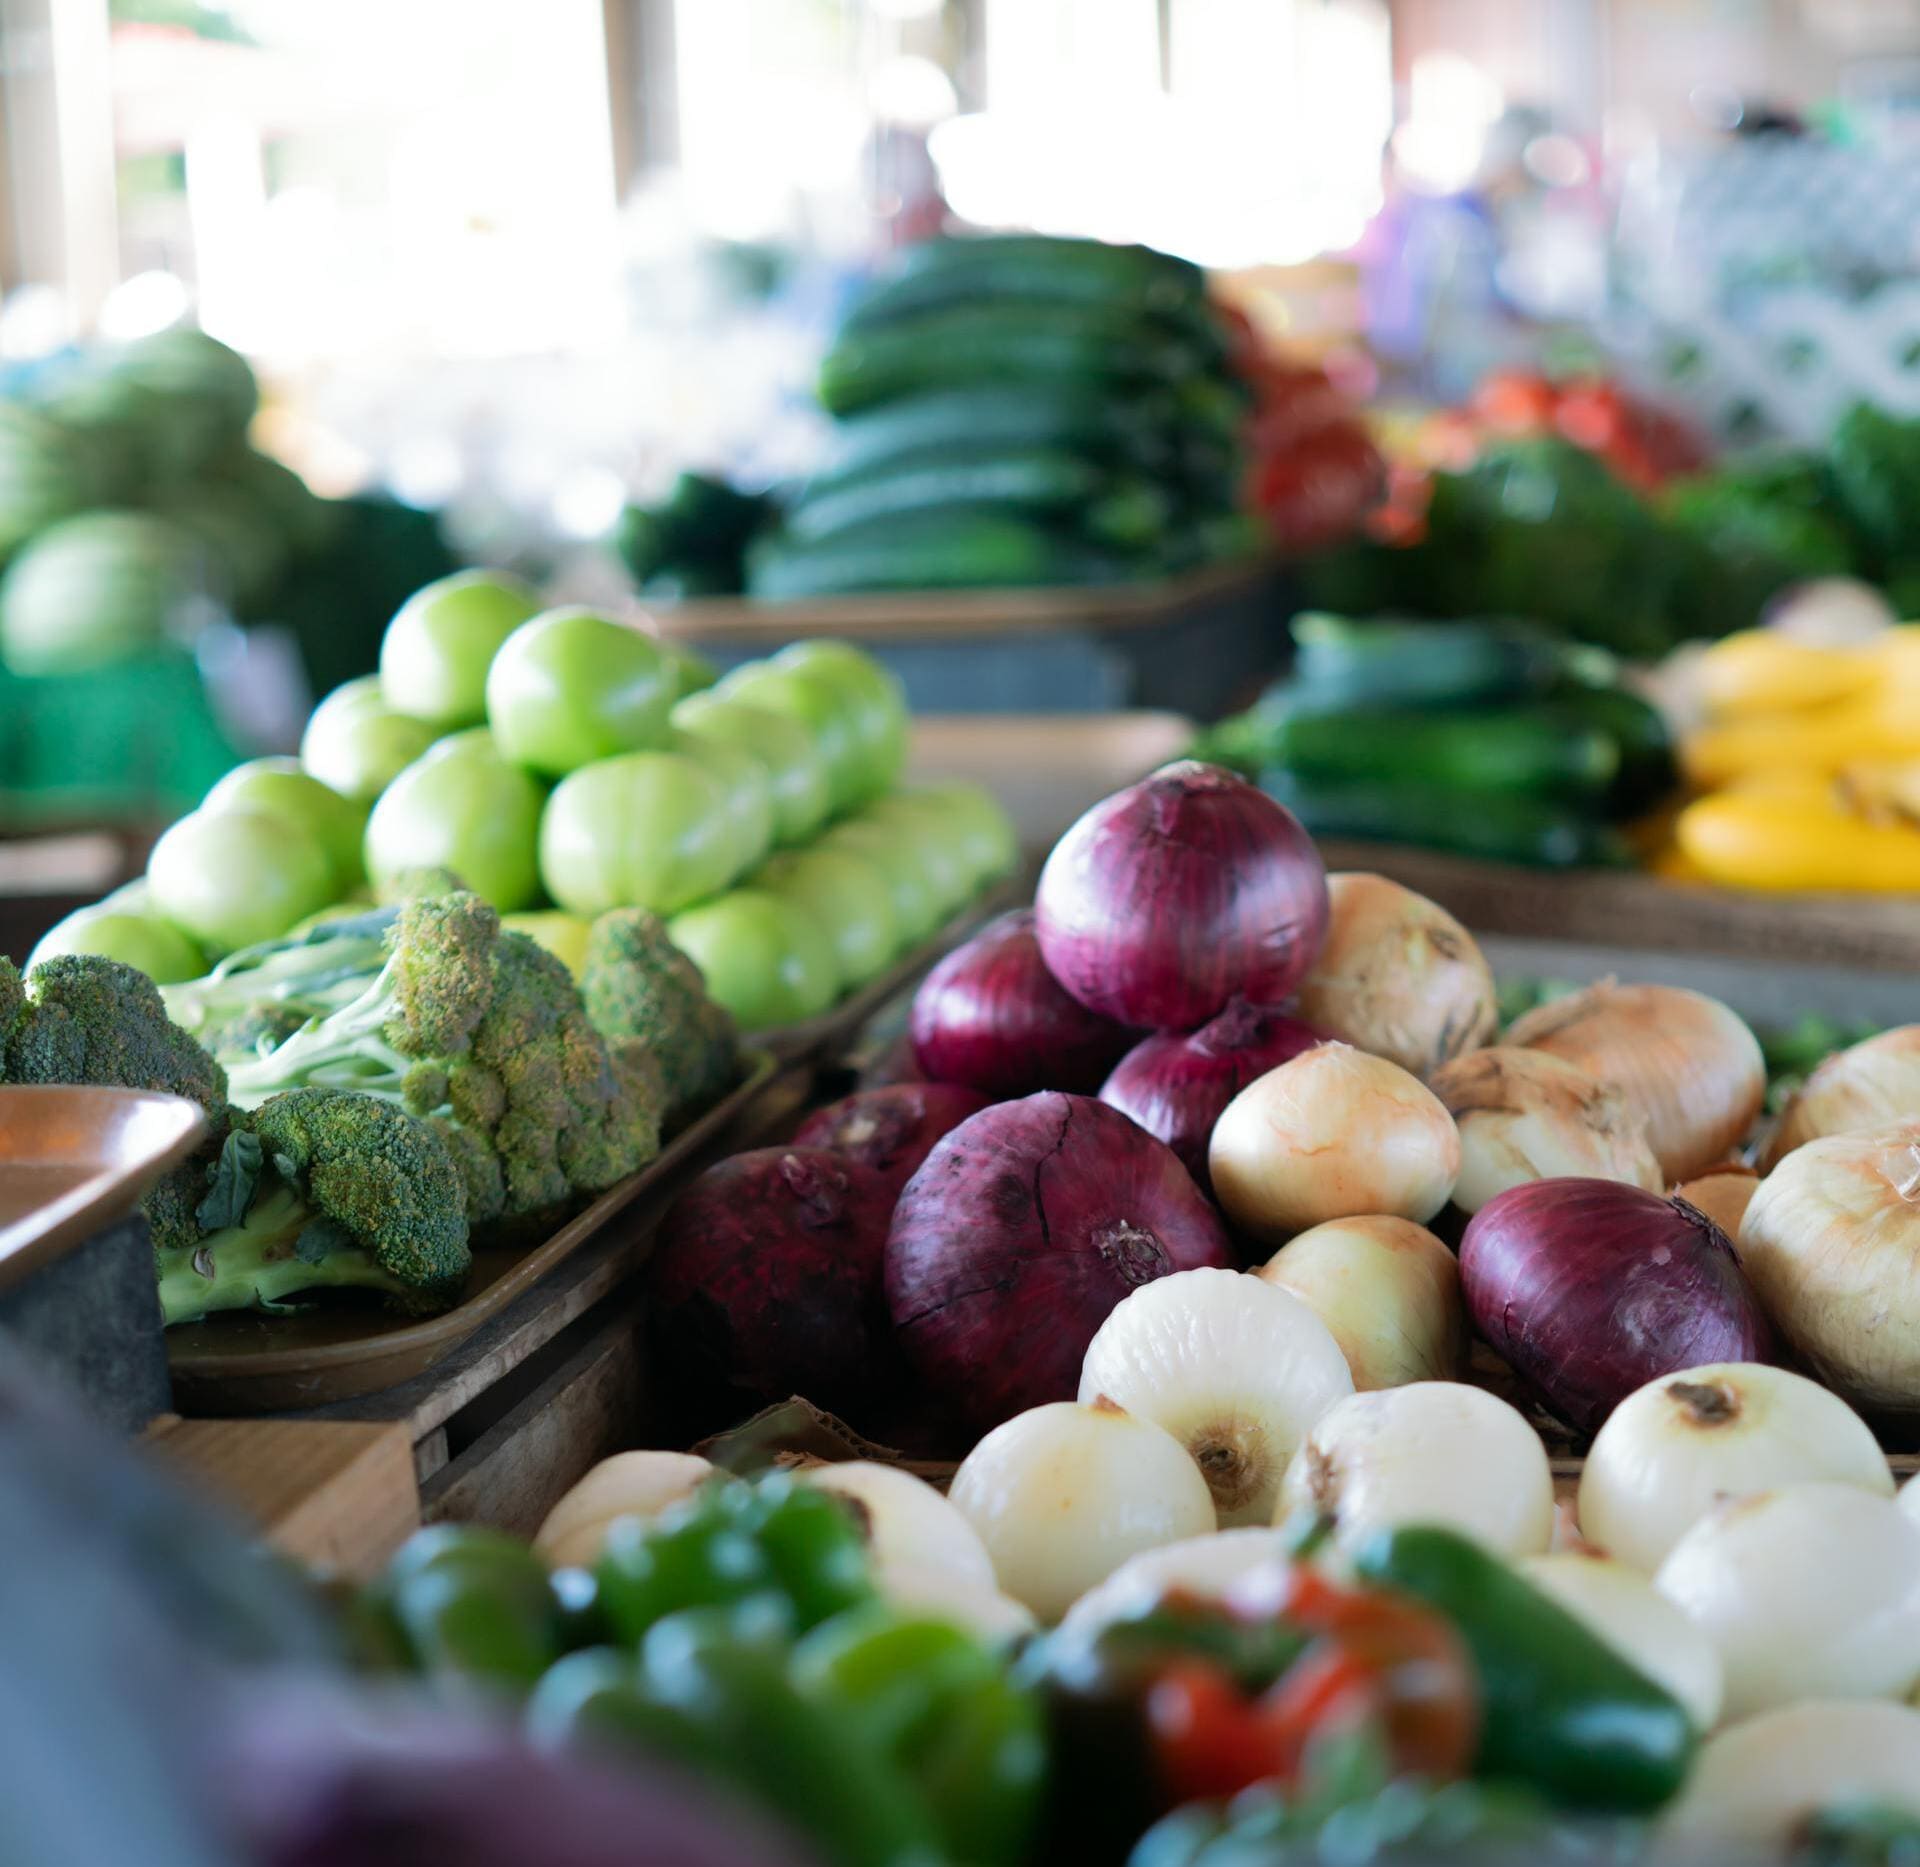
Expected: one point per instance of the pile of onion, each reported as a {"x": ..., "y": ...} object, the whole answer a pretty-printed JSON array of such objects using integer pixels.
[
  {"x": 1871, "y": 1085},
  {"x": 1686, "y": 1063},
  {"x": 1399, "y": 976},
  {"x": 1178, "y": 1086},
  {"x": 1173, "y": 897},
  {"x": 1017, "y": 1237},
  {"x": 1589, "y": 1289},
  {"x": 890, "y": 1130},
  {"x": 992, "y": 1018}
]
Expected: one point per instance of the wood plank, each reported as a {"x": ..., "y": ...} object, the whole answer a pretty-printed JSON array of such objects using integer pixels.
[
  {"x": 336, "y": 1495},
  {"x": 955, "y": 614},
  {"x": 515, "y": 1472}
]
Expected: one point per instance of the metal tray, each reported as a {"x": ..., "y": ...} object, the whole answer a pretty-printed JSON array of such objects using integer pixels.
[{"x": 248, "y": 1361}]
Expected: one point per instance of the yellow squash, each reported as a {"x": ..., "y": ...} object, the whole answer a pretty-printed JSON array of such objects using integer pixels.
[
  {"x": 1750, "y": 839},
  {"x": 1757, "y": 671}
]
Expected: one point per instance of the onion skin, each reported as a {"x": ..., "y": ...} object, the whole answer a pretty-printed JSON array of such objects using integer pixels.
[
  {"x": 1528, "y": 1115},
  {"x": 1723, "y": 1195},
  {"x": 1832, "y": 1243},
  {"x": 766, "y": 1281},
  {"x": 1177, "y": 1087},
  {"x": 890, "y": 1130},
  {"x": 1173, "y": 897},
  {"x": 992, "y": 1018},
  {"x": 1014, "y": 1241},
  {"x": 1688, "y": 1064},
  {"x": 1388, "y": 1291},
  {"x": 1589, "y": 1289},
  {"x": 1869, "y": 1085},
  {"x": 1399, "y": 976}
]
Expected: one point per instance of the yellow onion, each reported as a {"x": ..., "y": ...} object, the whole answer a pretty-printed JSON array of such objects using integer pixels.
[
  {"x": 1528, "y": 1115},
  {"x": 1335, "y": 1133},
  {"x": 1831, "y": 1243},
  {"x": 1723, "y": 1195},
  {"x": 1388, "y": 1292},
  {"x": 1872, "y": 1085},
  {"x": 1688, "y": 1064},
  {"x": 1399, "y": 976},
  {"x": 630, "y": 1484}
]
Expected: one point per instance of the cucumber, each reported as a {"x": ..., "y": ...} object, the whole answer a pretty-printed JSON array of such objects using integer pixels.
[
  {"x": 1495, "y": 826},
  {"x": 950, "y": 550},
  {"x": 1530, "y": 750},
  {"x": 1648, "y": 769},
  {"x": 1038, "y": 266},
  {"x": 998, "y": 345},
  {"x": 1036, "y": 481},
  {"x": 1396, "y": 663},
  {"x": 1126, "y": 430}
]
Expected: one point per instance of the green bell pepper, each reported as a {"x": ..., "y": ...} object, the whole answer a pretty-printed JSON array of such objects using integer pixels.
[
  {"x": 1562, "y": 1712},
  {"x": 471, "y": 1603}
]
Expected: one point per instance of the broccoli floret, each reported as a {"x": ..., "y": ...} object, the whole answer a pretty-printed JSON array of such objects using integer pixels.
[
  {"x": 259, "y": 996},
  {"x": 13, "y": 1001},
  {"x": 78, "y": 1018},
  {"x": 323, "y": 1188},
  {"x": 483, "y": 1031},
  {"x": 641, "y": 990}
]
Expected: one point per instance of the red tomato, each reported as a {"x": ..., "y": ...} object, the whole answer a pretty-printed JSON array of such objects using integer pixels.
[
  {"x": 1293, "y": 404},
  {"x": 1317, "y": 492},
  {"x": 1514, "y": 402}
]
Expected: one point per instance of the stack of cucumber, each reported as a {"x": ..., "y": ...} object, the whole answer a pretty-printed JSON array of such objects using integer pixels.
[
  {"x": 1018, "y": 410},
  {"x": 1484, "y": 738}
]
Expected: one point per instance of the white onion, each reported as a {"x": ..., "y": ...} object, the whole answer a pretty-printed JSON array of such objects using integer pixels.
[
  {"x": 1686, "y": 1063},
  {"x": 1909, "y": 1497},
  {"x": 1724, "y": 1197},
  {"x": 1435, "y": 1452},
  {"x": 1399, "y": 976},
  {"x": 1830, "y": 612},
  {"x": 1235, "y": 1369},
  {"x": 1674, "y": 1449},
  {"x": 1810, "y": 1591},
  {"x": 1388, "y": 1291},
  {"x": 1831, "y": 1244},
  {"x": 1332, "y": 1134},
  {"x": 1207, "y": 1566},
  {"x": 904, "y": 1519},
  {"x": 630, "y": 1484},
  {"x": 1528, "y": 1115},
  {"x": 1624, "y": 1609},
  {"x": 1062, "y": 1495},
  {"x": 1870, "y": 1085},
  {"x": 1753, "y": 1787},
  {"x": 943, "y": 1595}
]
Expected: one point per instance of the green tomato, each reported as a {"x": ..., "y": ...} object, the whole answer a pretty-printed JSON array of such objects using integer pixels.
[
  {"x": 818, "y": 704},
  {"x": 462, "y": 807},
  {"x": 440, "y": 643},
  {"x": 282, "y": 788},
  {"x": 645, "y": 830},
  {"x": 155, "y": 946},
  {"x": 233, "y": 877},
  {"x": 877, "y": 701},
  {"x": 917, "y": 911},
  {"x": 572, "y": 686},
  {"x": 749, "y": 797},
  {"x": 357, "y": 745},
  {"x": 563, "y": 935},
  {"x": 796, "y": 773},
  {"x": 850, "y": 899},
  {"x": 765, "y": 959},
  {"x": 982, "y": 830},
  {"x": 935, "y": 846},
  {"x": 692, "y": 674}
]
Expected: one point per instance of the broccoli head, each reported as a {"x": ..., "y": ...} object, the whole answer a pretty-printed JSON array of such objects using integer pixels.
[
  {"x": 78, "y": 1018},
  {"x": 641, "y": 990},
  {"x": 323, "y": 1189},
  {"x": 482, "y": 1031}
]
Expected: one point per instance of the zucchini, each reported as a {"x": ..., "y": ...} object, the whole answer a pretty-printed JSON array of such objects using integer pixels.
[
  {"x": 958, "y": 549},
  {"x": 1395, "y": 663},
  {"x": 1529, "y": 750},
  {"x": 997, "y": 344},
  {"x": 1495, "y": 826},
  {"x": 1648, "y": 769},
  {"x": 1036, "y": 481}
]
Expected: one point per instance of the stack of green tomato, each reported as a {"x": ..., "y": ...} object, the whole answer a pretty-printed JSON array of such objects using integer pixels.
[{"x": 562, "y": 763}]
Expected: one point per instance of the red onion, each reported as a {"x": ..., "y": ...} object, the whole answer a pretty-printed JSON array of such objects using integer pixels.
[
  {"x": 991, "y": 1017},
  {"x": 890, "y": 1130},
  {"x": 1589, "y": 1289},
  {"x": 766, "y": 1281},
  {"x": 1167, "y": 900},
  {"x": 1176, "y": 1087},
  {"x": 1022, "y": 1231}
]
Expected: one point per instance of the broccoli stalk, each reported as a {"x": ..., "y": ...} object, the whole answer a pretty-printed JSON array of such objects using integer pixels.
[{"x": 323, "y": 1189}]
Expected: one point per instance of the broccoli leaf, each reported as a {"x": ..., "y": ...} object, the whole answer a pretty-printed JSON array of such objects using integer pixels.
[
  {"x": 320, "y": 1240},
  {"x": 234, "y": 1179}
]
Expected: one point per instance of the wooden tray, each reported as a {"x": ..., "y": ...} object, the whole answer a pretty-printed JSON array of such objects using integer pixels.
[
  {"x": 249, "y": 1362},
  {"x": 838, "y": 1027}
]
